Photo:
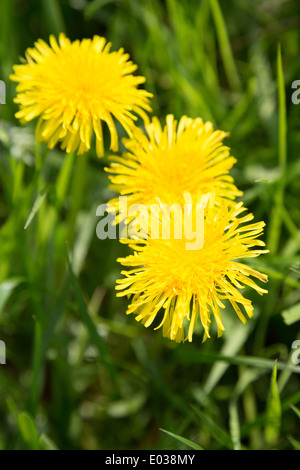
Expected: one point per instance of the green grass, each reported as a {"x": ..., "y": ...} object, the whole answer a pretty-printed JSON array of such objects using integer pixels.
[{"x": 80, "y": 374}]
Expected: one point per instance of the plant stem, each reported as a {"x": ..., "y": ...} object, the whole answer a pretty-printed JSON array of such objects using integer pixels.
[{"x": 77, "y": 191}]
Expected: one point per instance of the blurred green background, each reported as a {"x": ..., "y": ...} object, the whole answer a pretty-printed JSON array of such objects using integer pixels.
[{"x": 80, "y": 374}]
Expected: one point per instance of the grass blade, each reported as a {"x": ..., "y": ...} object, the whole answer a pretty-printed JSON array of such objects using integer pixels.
[
  {"x": 225, "y": 47},
  {"x": 276, "y": 214},
  {"x": 296, "y": 410},
  {"x": 36, "y": 207},
  {"x": 210, "y": 357},
  {"x": 291, "y": 315},
  {"x": 219, "y": 434},
  {"x": 294, "y": 442},
  {"x": 273, "y": 417},
  {"x": 46, "y": 443},
  {"x": 28, "y": 431},
  {"x": 90, "y": 325},
  {"x": 234, "y": 425},
  {"x": 54, "y": 16},
  {"x": 231, "y": 346},
  {"x": 183, "y": 440},
  {"x": 6, "y": 289}
]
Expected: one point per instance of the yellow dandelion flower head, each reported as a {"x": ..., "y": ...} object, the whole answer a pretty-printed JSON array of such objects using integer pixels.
[
  {"x": 73, "y": 86},
  {"x": 179, "y": 286},
  {"x": 187, "y": 156}
]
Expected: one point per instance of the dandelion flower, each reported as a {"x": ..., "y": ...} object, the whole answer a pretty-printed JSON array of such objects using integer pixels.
[
  {"x": 187, "y": 156},
  {"x": 73, "y": 86},
  {"x": 181, "y": 287}
]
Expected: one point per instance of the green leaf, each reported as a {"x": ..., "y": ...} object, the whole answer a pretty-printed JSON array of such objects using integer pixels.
[
  {"x": 183, "y": 440},
  {"x": 6, "y": 289},
  {"x": 46, "y": 443},
  {"x": 291, "y": 315},
  {"x": 219, "y": 434},
  {"x": 127, "y": 407},
  {"x": 63, "y": 180},
  {"x": 275, "y": 223},
  {"x": 296, "y": 410},
  {"x": 196, "y": 356},
  {"x": 273, "y": 415},
  {"x": 28, "y": 431},
  {"x": 231, "y": 347},
  {"x": 225, "y": 47},
  {"x": 36, "y": 207},
  {"x": 90, "y": 325},
  {"x": 234, "y": 425},
  {"x": 53, "y": 16},
  {"x": 94, "y": 6},
  {"x": 294, "y": 442},
  {"x": 282, "y": 112}
]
